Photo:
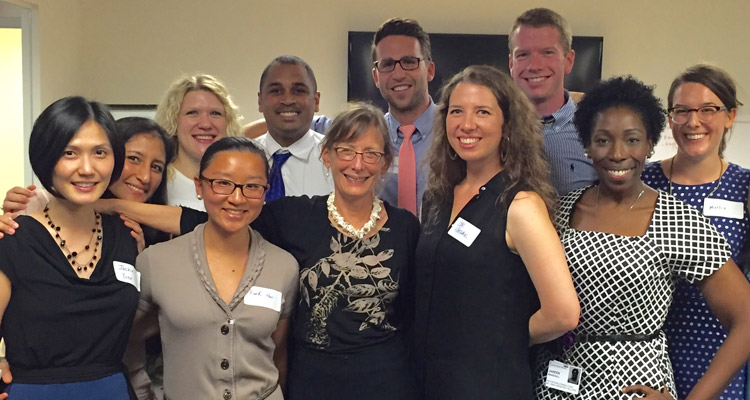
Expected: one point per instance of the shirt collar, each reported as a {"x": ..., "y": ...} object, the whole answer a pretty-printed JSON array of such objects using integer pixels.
[
  {"x": 565, "y": 113},
  {"x": 299, "y": 149},
  {"x": 423, "y": 124}
]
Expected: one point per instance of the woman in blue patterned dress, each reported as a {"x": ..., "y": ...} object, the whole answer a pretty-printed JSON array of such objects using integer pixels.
[
  {"x": 626, "y": 245},
  {"x": 702, "y": 108}
]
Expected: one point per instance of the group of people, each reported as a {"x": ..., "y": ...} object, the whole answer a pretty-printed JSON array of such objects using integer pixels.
[{"x": 504, "y": 242}]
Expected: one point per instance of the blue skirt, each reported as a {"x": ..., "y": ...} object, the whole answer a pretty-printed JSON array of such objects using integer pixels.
[{"x": 113, "y": 387}]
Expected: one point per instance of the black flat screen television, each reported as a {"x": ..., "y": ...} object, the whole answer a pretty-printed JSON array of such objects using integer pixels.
[{"x": 453, "y": 52}]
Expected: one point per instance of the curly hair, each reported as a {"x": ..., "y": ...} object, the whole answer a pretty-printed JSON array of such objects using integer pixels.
[
  {"x": 169, "y": 108},
  {"x": 620, "y": 91},
  {"x": 716, "y": 80},
  {"x": 524, "y": 160}
]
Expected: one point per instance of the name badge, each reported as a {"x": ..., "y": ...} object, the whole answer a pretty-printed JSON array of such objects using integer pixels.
[
  {"x": 463, "y": 231},
  {"x": 264, "y": 297},
  {"x": 723, "y": 208},
  {"x": 564, "y": 377},
  {"x": 127, "y": 273},
  {"x": 393, "y": 169}
]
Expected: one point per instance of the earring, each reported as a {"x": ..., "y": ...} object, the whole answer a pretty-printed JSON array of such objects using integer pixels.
[
  {"x": 452, "y": 154},
  {"x": 199, "y": 197},
  {"x": 327, "y": 172},
  {"x": 504, "y": 148},
  {"x": 651, "y": 153},
  {"x": 586, "y": 153}
]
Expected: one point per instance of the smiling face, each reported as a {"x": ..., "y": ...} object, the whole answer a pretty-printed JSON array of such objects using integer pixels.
[
  {"x": 697, "y": 139},
  {"x": 405, "y": 91},
  {"x": 143, "y": 170},
  {"x": 288, "y": 101},
  {"x": 538, "y": 65},
  {"x": 356, "y": 179},
  {"x": 619, "y": 147},
  {"x": 474, "y": 124},
  {"x": 202, "y": 120},
  {"x": 233, "y": 212},
  {"x": 82, "y": 173}
]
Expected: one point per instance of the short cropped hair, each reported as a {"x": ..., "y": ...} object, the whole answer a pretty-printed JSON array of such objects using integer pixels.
[
  {"x": 129, "y": 127},
  {"x": 289, "y": 60},
  {"x": 56, "y": 127},
  {"x": 168, "y": 111},
  {"x": 621, "y": 91},
  {"x": 539, "y": 18},
  {"x": 353, "y": 122},
  {"x": 403, "y": 27},
  {"x": 716, "y": 80},
  {"x": 239, "y": 143}
]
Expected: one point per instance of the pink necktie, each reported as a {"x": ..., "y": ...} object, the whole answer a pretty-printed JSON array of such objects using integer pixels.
[{"x": 407, "y": 171}]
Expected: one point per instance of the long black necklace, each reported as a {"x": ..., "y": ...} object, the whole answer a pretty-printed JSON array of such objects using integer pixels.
[{"x": 96, "y": 239}]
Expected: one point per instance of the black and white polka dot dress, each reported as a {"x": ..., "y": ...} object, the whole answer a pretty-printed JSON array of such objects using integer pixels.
[
  {"x": 693, "y": 331},
  {"x": 625, "y": 286}
]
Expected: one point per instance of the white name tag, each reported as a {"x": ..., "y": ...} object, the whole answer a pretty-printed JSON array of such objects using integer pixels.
[
  {"x": 723, "y": 208},
  {"x": 127, "y": 273},
  {"x": 463, "y": 231},
  {"x": 264, "y": 297},
  {"x": 563, "y": 377}
]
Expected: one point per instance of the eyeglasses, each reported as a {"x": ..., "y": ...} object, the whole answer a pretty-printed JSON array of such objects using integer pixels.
[
  {"x": 226, "y": 187},
  {"x": 681, "y": 115},
  {"x": 408, "y": 63},
  {"x": 347, "y": 154}
]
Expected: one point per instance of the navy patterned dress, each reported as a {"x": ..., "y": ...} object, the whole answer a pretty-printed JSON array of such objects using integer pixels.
[{"x": 691, "y": 354}]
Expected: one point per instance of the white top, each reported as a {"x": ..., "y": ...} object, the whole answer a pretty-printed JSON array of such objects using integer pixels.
[
  {"x": 303, "y": 173},
  {"x": 181, "y": 191}
]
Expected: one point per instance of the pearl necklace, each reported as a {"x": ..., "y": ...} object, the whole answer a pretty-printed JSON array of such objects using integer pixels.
[{"x": 347, "y": 227}]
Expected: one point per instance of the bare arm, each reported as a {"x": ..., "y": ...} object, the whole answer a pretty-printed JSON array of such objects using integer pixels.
[
  {"x": 728, "y": 294},
  {"x": 145, "y": 325},
  {"x": 163, "y": 218},
  {"x": 530, "y": 233},
  {"x": 5, "y": 290},
  {"x": 279, "y": 337}
]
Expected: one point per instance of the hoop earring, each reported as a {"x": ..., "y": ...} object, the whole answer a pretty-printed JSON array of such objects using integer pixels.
[
  {"x": 504, "y": 148},
  {"x": 452, "y": 153}
]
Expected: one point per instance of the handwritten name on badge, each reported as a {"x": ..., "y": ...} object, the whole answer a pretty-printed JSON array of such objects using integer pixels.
[
  {"x": 463, "y": 231},
  {"x": 127, "y": 273},
  {"x": 723, "y": 208},
  {"x": 263, "y": 297}
]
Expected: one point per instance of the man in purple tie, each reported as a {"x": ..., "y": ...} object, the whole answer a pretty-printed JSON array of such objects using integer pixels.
[{"x": 288, "y": 99}]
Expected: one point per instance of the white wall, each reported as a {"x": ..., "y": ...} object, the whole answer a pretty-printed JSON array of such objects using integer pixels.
[{"x": 11, "y": 109}]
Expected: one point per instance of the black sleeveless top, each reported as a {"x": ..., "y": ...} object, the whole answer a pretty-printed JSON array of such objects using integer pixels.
[{"x": 473, "y": 306}]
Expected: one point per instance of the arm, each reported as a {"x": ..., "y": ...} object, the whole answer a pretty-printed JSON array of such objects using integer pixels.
[
  {"x": 163, "y": 218},
  {"x": 530, "y": 233},
  {"x": 727, "y": 292},
  {"x": 145, "y": 325},
  {"x": 18, "y": 199},
  {"x": 5, "y": 290},
  {"x": 279, "y": 337}
]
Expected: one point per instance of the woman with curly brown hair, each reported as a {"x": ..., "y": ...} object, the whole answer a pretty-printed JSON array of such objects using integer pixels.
[{"x": 491, "y": 273}]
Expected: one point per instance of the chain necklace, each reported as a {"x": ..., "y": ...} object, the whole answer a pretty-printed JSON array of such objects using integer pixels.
[
  {"x": 643, "y": 190},
  {"x": 96, "y": 238},
  {"x": 718, "y": 181},
  {"x": 347, "y": 227}
]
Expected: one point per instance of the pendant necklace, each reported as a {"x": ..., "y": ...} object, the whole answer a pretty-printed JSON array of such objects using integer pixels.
[
  {"x": 347, "y": 227},
  {"x": 643, "y": 190},
  {"x": 71, "y": 256},
  {"x": 718, "y": 181}
]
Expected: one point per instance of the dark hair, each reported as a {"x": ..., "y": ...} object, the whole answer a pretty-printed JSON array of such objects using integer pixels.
[
  {"x": 56, "y": 127},
  {"x": 521, "y": 148},
  {"x": 129, "y": 127},
  {"x": 403, "y": 27},
  {"x": 621, "y": 91},
  {"x": 289, "y": 60},
  {"x": 233, "y": 143},
  {"x": 354, "y": 121},
  {"x": 539, "y": 18},
  {"x": 716, "y": 80}
]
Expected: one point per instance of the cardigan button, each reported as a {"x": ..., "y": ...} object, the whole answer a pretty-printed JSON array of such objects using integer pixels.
[
  {"x": 224, "y": 330},
  {"x": 225, "y": 364},
  {"x": 227, "y": 394}
]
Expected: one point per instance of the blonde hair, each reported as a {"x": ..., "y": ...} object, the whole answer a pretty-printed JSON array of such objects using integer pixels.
[{"x": 169, "y": 108}]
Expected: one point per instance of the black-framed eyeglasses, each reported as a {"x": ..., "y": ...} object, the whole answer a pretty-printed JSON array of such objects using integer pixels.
[
  {"x": 408, "y": 63},
  {"x": 681, "y": 115},
  {"x": 369, "y": 156},
  {"x": 226, "y": 187}
]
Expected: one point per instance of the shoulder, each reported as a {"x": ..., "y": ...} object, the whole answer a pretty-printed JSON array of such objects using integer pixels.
[
  {"x": 404, "y": 217},
  {"x": 275, "y": 255},
  {"x": 524, "y": 202},
  {"x": 316, "y": 136}
]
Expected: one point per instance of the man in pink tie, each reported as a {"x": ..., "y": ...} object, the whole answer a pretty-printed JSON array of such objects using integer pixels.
[{"x": 402, "y": 67}]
